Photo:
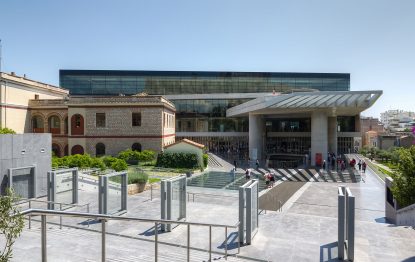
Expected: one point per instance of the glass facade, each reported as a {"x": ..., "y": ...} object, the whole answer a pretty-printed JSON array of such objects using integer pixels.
[
  {"x": 209, "y": 115},
  {"x": 111, "y": 82}
]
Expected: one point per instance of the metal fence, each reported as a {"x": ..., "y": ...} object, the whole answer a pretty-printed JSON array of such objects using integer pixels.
[{"x": 104, "y": 218}]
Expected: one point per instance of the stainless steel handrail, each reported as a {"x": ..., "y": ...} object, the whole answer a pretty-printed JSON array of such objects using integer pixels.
[
  {"x": 25, "y": 200},
  {"x": 104, "y": 218},
  {"x": 205, "y": 194}
]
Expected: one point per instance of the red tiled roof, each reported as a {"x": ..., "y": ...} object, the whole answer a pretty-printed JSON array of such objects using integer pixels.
[{"x": 190, "y": 142}]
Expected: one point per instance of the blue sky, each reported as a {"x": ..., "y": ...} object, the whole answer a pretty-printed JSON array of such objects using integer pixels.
[{"x": 374, "y": 40}]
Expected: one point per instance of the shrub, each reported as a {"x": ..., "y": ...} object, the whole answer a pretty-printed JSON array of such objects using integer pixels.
[
  {"x": 146, "y": 155},
  {"x": 6, "y": 130},
  {"x": 127, "y": 155},
  {"x": 108, "y": 160},
  {"x": 205, "y": 160},
  {"x": 11, "y": 224},
  {"x": 135, "y": 178},
  {"x": 119, "y": 165},
  {"x": 98, "y": 163},
  {"x": 177, "y": 160}
]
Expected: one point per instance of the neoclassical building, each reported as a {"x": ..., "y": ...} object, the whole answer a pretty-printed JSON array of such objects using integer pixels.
[
  {"x": 94, "y": 125},
  {"x": 104, "y": 125}
]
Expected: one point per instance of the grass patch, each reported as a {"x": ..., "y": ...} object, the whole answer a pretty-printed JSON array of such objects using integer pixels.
[{"x": 152, "y": 180}]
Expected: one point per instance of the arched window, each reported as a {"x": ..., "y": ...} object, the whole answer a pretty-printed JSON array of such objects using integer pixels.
[
  {"x": 77, "y": 149},
  {"x": 136, "y": 147},
  {"x": 54, "y": 125},
  {"x": 56, "y": 149},
  {"x": 100, "y": 149},
  {"x": 37, "y": 124},
  {"x": 77, "y": 125}
]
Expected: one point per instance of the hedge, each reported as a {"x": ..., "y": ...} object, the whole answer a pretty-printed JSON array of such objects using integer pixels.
[
  {"x": 80, "y": 161},
  {"x": 134, "y": 157},
  {"x": 177, "y": 160}
]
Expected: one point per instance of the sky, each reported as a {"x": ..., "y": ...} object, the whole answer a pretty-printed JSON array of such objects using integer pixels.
[{"x": 373, "y": 40}]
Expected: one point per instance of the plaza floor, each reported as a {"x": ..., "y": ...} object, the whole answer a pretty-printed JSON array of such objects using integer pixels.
[{"x": 305, "y": 230}]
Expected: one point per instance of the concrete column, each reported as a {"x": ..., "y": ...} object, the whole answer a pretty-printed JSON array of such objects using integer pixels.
[
  {"x": 319, "y": 137},
  {"x": 332, "y": 134},
  {"x": 256, "y": 133}
]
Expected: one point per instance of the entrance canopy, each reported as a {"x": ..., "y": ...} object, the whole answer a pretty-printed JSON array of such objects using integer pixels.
[{"x": 337, "y": 103}]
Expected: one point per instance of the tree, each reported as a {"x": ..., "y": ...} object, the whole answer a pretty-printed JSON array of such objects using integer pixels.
[
  {"x": 6, "y": 130},
  {"x": 403, "y": 187},
  {"x": 11, "y": 223}
]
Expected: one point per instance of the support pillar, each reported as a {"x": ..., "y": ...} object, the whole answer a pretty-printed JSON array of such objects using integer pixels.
[
  {"x": 332, "y": 134},
  {"x": 256, "y": 133},
  {"x": 319, "y": 137}
]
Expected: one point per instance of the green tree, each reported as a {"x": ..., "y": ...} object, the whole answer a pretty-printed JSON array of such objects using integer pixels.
[
  {"x": 11, "y": 224},
  {"x": 6, "y": 130},
  {"x": 403, "y": 187}
]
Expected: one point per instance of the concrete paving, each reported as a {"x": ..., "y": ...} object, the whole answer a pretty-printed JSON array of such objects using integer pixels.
[{"x": 305, "y": 230}]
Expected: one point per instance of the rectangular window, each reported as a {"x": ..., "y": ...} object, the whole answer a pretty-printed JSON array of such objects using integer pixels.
[
  {"x": 136, "y": 119},
  {"x": 100, "y": 119}
]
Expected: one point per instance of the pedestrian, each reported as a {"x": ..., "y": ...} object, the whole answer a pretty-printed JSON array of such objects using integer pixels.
[
  {"x": 257, "y": 164},
  {"x": 247, "y": 174},
  {"x": 364, "y": 167},
  {"x": 234, "y": 163},
  {"x": 360, "y": 165},
  {"x": 272, "y": 175},
  {"x": 267, "y": 179},
  {"x": 324, "y": 164}
]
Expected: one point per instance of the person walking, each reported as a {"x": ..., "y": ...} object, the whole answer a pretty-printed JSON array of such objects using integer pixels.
[
  {"x": 257, "y": 164},
  {"x": 234, "y": 163},
  {"x": 247, "y": 174},
  {"x": 360, "y": 165},
  {"x": 324, "y": 164},
  {"x": 364, "y": 167}
]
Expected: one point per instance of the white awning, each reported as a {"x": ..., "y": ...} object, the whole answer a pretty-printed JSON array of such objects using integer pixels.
[{"x": 337, "y": 103}]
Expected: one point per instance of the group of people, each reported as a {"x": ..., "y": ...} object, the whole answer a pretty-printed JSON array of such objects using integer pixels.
[{"x": 341, "y": 164}]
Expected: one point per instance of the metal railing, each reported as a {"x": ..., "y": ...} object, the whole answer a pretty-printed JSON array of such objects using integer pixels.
[
  {"x": 24, "y": 201},
  {"x": 105, "y": 218},
  {"x": 205, "y": 194}
]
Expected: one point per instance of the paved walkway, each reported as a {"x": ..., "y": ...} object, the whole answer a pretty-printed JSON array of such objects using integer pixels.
[{"x": 305, "y": 230}]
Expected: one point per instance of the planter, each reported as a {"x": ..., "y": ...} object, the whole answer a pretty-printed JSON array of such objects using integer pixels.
[{"x": 136, "y": 188}]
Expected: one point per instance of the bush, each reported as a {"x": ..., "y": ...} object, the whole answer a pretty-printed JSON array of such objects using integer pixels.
[
  {"x": 98, "y": 163},
  {"x": 205, "y": 160},
  {"x": 135, "y": 178},
  {"x": 146, "y": 155},
  {"x": 177, "y": 160},
  {"x": 134, "y": 157},
  {"x": 6, "y": 130},
  {"x": 80, "y": 161},
  {"x": 119, "y": 165},
  {"x": 108, "y": 160},
  {"x": 127, "y": 155}
]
